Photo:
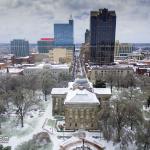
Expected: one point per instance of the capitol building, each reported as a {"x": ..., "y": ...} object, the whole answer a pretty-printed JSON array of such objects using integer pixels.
[{"x": 79, "y": 103}]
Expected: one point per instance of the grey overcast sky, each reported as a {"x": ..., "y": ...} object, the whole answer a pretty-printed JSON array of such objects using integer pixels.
[{"x": 33, "y": 19}]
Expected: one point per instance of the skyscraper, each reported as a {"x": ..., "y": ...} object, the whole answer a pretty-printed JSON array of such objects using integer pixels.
[
  {"x": 20, "y": 47},
  {"x": 45, "y": 44},
  {"x": 87, "y": 36},
  {"x": 63, "y": 34},
  {"x": 102, "y": 39}
]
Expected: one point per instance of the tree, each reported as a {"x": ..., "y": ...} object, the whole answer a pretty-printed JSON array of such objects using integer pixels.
[
  {"x": 143, "y": 136},
  {"x": 5, "y": 87},
  {"x": 110, "y": 78},
  {"x": 2, "y": 110},
  {"x": 47, "y": 82},
  {"x": 105, "y": 122},
  {"x": 119, "y": 117},
  {"x": 129, "y": 81},
  {"x": 132, "y": 98},
  {"x": 148, "y": 102},
  {"x": 5, "y": 148},
  {"x": 23, "y": 100},
  {"x": 134, "y": 114},
  {"x": 31, "y": 82},
  {"x": 100, "y": 84},
  {"x": 118, "y": 79},
  {"x": 63, "y": 79},
  {"x": 126, "y": 138}
]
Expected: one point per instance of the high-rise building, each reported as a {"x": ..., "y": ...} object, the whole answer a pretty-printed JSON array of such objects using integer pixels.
[
  {"x": 61, "y": 55},
  {"x": 122, "y": 50},
  {"x": 63, "y": 34},
  {"x": 45, "y": 44},
  {"x": 87, "y": 36},
  {"x": 102, "y": 36},
  {"x": 20, "y": 47}
]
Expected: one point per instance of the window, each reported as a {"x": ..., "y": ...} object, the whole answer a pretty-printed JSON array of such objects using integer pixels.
[{"x": 75, "y": 124}]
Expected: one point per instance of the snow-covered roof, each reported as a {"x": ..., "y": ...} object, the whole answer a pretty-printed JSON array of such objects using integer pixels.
[
  {"x": 76, "y": 141},
  {"x": 12, "y": 70},
  {"x": 81, "y": 96},
  {"x": 102, "y": 91},
  {"x": 117, "y": 66},
  {"x": 59, "y": 91},
  {"x": 50, "y": 66}
]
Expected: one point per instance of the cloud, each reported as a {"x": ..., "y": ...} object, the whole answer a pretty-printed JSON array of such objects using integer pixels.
[{"x": 33, "y": 19}]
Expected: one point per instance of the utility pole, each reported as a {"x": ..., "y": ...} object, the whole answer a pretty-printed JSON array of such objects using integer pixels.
[{"x": 83, "y": 144}]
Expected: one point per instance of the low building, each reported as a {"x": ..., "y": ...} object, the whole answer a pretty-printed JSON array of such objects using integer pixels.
[
  {"x": 13, "y": 71},
  {"x": 21, "y": 60},
  {"x": 45, "y": 44},
  {"x": 122, "y": 50},
  {"x": 143, "y": 71},
  {"x": 79, "y": 103},
  {"x": 3, "y": 65},
  {"x": 54, "y": 69},
  {"x": 40, "y": 57},
  {"x": 101, "y": 72},
  {"x": 61, "y": 55}
]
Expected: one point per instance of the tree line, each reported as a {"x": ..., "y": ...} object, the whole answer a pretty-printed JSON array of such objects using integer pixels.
[
  {"x": 19, "y": 92},
  {"x": 122, "y": 119}
]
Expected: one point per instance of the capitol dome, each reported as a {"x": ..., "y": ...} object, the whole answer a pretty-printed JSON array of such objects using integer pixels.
[{"x": 82, "y": 83}]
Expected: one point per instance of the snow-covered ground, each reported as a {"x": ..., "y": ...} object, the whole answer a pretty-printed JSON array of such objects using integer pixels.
[
  {"x": 32, "y": 126},
  {"x": 42, "y": 120}
]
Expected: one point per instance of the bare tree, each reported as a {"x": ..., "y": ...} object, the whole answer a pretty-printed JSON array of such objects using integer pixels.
[
  {"x": 134, "y": 115},
  {"x": 143, "y": 136},
  {"x": 2, "y": 110},
  {"x": 105, "y": 122},
  {"x": 119, "y": 117},
  {"x": 132, "y": 96},
  {"x": 47, "y": 82},
  {"x": 23, "y": 100},
  {"x": 129, "y": 81},
  {"x": 110, "y": 78},
  {"x": 5, "y": 87}
]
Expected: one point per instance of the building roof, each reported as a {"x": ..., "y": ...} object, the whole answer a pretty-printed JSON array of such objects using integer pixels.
[
  {"x": 81, "y": 96},
  {"x": 81, "y": 91},
  {"x": 118, "y": 66},
  {"x": 59, "y": 91},
  {"x": 47, "y": 39},
  {"x": 11, "y": 70},
  {"x": 102, "y": 91},
  {"x": 76, "y": 141},
  {"x": 50, "y": 66}
]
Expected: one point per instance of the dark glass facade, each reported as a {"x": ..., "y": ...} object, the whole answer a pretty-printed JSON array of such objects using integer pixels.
[
  {"x": 63, "y": 34},
  {"x": 87, "y": 36},
  {"x": 44, "y": 45},
  {"x": 102, "y": 38},
  {"x": 19, "y": 47}
]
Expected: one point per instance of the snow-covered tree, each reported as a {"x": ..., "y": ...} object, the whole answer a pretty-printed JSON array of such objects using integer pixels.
[
  {"x": 128, "y": 137},
  {"x": 23, "y": 100},
  {"x": 47, "y": 81},
  {"x": 2, "y": 110},
  {"x": 143, "y": 136}
]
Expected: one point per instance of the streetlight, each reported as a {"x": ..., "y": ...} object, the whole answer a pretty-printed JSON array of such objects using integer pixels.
[{"x": 83, "y": 144}]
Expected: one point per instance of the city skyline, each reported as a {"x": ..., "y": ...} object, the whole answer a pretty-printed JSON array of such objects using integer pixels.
[{"x": 34, "y": 19}]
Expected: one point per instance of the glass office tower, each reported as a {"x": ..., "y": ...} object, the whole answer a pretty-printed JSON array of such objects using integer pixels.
[
  {"x": 102, "y": 39},
  {"x": 63, "y": 34},
  {"x": 19, "y": 47}
]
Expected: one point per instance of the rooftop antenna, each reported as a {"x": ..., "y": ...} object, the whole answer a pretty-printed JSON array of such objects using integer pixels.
[{"x": 71, "y": 17}]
